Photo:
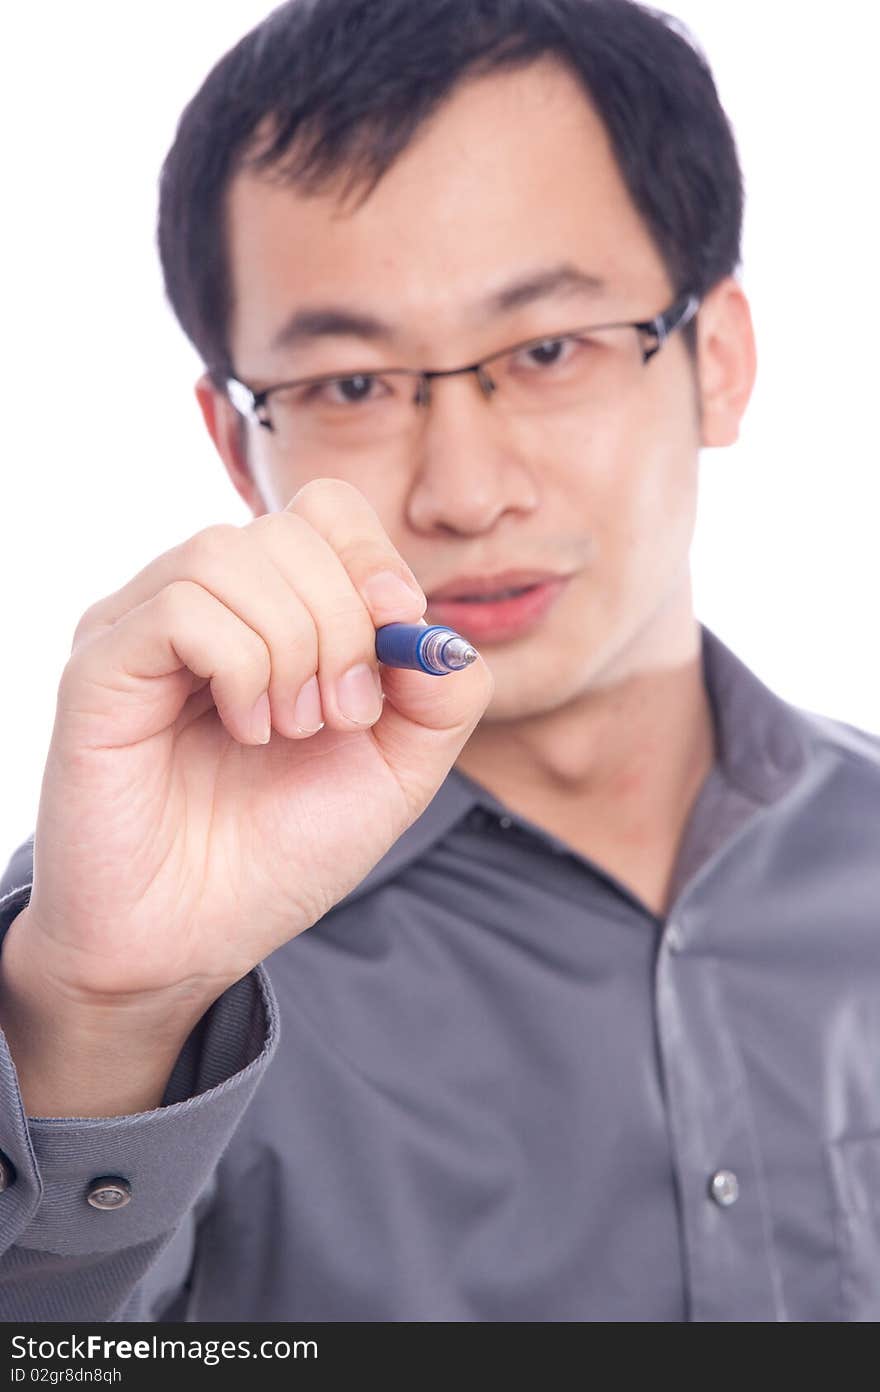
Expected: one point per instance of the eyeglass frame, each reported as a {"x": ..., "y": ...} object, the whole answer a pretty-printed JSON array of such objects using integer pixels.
[{"x": 249, "y": 403}]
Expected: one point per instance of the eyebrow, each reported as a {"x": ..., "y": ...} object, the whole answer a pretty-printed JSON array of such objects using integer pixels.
[{"x": 336, "y": 321}]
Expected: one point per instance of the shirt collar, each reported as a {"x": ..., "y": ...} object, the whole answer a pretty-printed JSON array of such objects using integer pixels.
[{"x": 761, "y": 741}]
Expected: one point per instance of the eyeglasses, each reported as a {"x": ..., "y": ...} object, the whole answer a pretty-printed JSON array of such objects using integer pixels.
[{"x": 587, "y": 369}]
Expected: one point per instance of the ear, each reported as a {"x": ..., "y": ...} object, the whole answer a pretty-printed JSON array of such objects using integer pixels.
[
  {"x": 228, "y": 430},
  {"x": 727, "y": 361}
]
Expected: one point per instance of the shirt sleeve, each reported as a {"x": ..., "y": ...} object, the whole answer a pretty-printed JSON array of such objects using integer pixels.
[{"x": 61, "y": 1257}]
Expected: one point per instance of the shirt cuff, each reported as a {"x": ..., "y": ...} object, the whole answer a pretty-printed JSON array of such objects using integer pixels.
[{"x": 165, "y": 1156}]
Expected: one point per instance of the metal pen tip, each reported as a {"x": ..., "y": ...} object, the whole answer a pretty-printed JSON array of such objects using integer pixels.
[{"x": 458, "y": 653}]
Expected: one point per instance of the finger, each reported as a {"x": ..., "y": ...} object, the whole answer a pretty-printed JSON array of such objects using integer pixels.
[
  {"x": 132, "y": 680},
  {"x": 283, "y": 579},
  {"x": 352, "y": 528},
  {"x": 426, "y": 721},
  {"x": 331, "y": 586},
  {"x": 230, "y": 564},
  {"x": 349, "y": 524},
  {"x": 262, "y": 573}
]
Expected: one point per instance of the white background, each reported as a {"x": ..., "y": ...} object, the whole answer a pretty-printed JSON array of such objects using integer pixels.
[{"x": 106, "y": 463}]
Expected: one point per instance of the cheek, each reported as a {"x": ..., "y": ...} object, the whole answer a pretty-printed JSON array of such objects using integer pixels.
[
  {"x": 656, "y": 510},
  {"x": 630, "y": 481},
  {"x": 382, "y": 485}
]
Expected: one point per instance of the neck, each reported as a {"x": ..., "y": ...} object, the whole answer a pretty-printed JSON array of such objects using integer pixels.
[{"x": 619, "y": 765}]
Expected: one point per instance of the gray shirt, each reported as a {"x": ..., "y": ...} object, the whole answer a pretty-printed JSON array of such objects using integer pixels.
[{"x": 492, "y": 1085}]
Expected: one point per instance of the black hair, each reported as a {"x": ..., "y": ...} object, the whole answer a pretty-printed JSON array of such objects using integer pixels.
[{"x": 339, "y": 87}]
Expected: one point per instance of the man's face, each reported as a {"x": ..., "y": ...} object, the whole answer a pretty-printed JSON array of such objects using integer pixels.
[{"x": 513, "y": 176}]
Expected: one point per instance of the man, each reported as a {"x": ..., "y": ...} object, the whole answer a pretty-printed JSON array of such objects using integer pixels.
[{"x": 586, "y": 1030}]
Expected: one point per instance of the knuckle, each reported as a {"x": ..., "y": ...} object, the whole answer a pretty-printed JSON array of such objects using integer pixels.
[
  {"x": 211, "y": 544},
  {"x": 89, "y": 623},
  {"x": 365, "y": 558},
  {"x": 70, "y": 674},
  {"x": 256, "y": 658},
  {"x": 280, "y": 523},
  {"x": 184, "y": 600},
  {"x": 291, "y": 667},
  {"x": 325, "y": 495},
  {"x": 345, "y": 609},
  {"x": 324, "y": 487},
  {"x": 299, "y": 642},
  {"x": 174, "y": 594},
  {"x": 186, "y": 603}
]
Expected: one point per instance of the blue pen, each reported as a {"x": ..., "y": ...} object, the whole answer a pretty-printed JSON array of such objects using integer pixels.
[{"x": 434, "y": 649}]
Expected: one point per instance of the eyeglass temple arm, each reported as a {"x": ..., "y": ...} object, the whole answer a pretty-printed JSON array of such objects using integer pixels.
[
  {"x": 681, "y": 313},
  {"x": 247, "y": 402}
]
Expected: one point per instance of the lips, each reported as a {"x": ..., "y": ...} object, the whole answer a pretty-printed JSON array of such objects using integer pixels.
[
  {"x": 483, "y": 619},
  {"x": 502, "y": 585},
  {"x": 491, "y": 598}
]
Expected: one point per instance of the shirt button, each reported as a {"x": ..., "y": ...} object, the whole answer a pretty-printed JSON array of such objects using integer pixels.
[
  {"x": 109, "y": 1192},
  {"x": 673, "y": 937},
  {"x": 724, "y": 1188},
  {"x": 7, "y": 1172},
  {"x": 505, "y": 822}
]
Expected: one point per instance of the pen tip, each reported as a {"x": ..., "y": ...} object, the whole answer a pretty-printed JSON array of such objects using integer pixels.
[{"x": 458, "y": 653}]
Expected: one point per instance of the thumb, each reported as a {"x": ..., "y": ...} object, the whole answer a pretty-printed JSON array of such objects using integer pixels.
[{"x": 427, "y": 720}]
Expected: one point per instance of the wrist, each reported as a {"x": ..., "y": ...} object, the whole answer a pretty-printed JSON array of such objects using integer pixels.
[
  {"x": 84, "y": 1057},
  {"x": 30, "y": 982}
]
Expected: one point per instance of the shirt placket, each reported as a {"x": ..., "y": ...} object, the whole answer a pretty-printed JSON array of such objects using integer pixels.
[{"x": 731, "y": 1271}]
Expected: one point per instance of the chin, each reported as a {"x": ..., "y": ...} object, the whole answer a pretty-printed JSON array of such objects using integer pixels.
[{"x": 525, "y": 689}]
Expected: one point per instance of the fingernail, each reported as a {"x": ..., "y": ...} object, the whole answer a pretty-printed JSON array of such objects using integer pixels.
[
  {"x": 307, "y": 713},
  {"x": 358, "y": 695},
  {"x": 389, "y": 591},
  {"x": 261, "y": 722}
]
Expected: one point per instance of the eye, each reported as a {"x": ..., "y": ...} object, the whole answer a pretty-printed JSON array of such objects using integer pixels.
[
  {"x": 361, "y": 388},
  {"x": 551, "y": 352},
  {"x": 351, "y": 391}
]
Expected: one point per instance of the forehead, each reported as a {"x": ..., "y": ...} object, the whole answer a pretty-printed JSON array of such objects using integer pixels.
[{"x": 513, "y": 171}]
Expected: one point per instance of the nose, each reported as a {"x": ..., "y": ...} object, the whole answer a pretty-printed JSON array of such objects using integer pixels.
[{"x": 468, "y": 470}]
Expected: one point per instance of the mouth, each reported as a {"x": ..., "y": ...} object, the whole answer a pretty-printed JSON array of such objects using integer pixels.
[
  {"x": 498, "y": 616},
  {"x": 493, "y": 598}
]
